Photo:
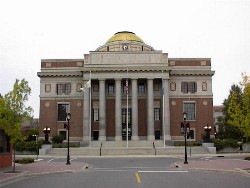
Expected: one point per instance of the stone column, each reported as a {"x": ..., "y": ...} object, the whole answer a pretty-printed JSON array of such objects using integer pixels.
[
  {"x": 118, "y": 111},
  {"x": 86, "y": 115},
  {"x": 166, "y": 110},
  {"x": 134, "y": 111},
  {"x": 102, "y": 108},
  {"x": 150, "y": 110}
]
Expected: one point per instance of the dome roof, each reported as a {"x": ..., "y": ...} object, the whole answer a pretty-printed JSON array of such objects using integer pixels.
[{"x": 125, "y": 36}]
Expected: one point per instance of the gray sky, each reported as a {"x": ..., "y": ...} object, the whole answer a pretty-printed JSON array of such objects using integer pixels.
[{"x": 31, "y": 30}]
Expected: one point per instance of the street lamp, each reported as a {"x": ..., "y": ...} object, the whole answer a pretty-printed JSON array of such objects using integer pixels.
[
  {"x": 68, "y": 157},
  {"x": 207, "y": 130},
  {"x": 35, "y": 135},
  {"x": 46, "y": 131},
  {"x": 185, "y": 130}
]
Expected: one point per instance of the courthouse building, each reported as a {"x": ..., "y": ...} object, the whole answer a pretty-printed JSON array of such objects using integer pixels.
[{"x": 158, "y": 90}]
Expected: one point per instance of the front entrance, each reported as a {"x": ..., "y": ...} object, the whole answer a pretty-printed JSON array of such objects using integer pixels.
[
  {"x": 124, "y": 124},
  {"x": 95, "y": 135},
  {"x": 157, "y": 134}
]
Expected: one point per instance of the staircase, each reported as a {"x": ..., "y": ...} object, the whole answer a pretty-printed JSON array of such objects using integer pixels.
[{"x": 114, "y": 148}]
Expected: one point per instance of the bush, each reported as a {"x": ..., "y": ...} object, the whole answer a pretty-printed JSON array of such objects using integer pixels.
[
  {"x": 28, "y": 146},
  {"x": 221, "y": 144},
  {"x": 57, "y": 139},
  {"x": 24, "y": 160}
]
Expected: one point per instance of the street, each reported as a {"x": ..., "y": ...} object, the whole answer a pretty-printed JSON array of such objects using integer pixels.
[{"x": 131, "y": 172}]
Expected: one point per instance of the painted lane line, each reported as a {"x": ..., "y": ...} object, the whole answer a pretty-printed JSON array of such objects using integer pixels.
[
  {"x": 165, "y": 171},
  {"x": 137, "y": 177},
  {"x": 50, "y": 160}
]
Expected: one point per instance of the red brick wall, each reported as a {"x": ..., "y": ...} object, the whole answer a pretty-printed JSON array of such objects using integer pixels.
[
  {"x": 6, "y": 159},
  {"x": 204, "y": 116},
  {"x": 142, "y": 120},
  {"x": 110, "y": 117}
]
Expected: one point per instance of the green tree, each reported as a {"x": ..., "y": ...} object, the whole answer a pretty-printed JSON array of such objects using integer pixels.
[
  {"x": 13, "y": 111},
  {"x": 239, "y": 107}
]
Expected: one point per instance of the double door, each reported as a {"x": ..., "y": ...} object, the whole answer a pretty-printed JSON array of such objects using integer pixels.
[{"x": 126, "y": 122}]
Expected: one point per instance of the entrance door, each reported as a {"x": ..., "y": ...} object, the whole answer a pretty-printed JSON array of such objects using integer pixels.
[
  {"x": 95, "y": 135},
  {"x": 157, "y": 134},
  {"x": 124, "y": 124}
]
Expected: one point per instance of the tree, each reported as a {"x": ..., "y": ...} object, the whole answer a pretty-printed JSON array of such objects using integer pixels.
[
  {"x": 13, "y": 111},
  {"x": 239, "y": 107}
]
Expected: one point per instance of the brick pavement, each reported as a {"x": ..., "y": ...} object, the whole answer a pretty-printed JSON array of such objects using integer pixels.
[
  {"x": 38, "y": 168},
  {"x": 225, "y": 165}
]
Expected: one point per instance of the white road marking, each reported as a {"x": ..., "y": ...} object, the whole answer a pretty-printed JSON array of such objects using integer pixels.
[
  {"x": 164, "y": 171},
  {"x": 50, "y": 160}
]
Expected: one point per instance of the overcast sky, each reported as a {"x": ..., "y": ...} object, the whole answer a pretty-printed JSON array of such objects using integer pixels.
[{"x": 31, "y": 30}]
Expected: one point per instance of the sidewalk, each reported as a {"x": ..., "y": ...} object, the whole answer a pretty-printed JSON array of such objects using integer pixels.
[
  {"x": 223, "y": 165},
  {"x": 38, "y": 168}
]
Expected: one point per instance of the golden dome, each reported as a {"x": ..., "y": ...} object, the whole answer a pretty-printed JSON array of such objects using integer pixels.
[{"x": 124, "y": 36}]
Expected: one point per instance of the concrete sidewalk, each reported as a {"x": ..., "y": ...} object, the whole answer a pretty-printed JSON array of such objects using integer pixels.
[
  {"x": 223, "y": 165},
  {"x": 39, "y": 168}
]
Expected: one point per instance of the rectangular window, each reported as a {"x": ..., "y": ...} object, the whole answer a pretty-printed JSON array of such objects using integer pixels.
[
  {"x": 192, "y": 87},
  {"x": 67, "y": 88},
  {"x": 184, "y": 87},
  {"x": 4, "y": 142},
  {"x": 62, "y": 109},
  {"x": 63, "y": 133},
  {"x": 63, "y": 88},
  {"x": 157, "y": 114},
  {"x": 124, "y": 115},
  {"x": 141, "y": 88},
  {"x": 59, "y": 89},
  {"x": 111, "y": 89},
  {"x": 95, "y": 87},
  {"x": 191, "y": 134},
  {"x": 189, "y": 108},
  {"x": 156, "y": 86},
  {"x": 96, "y": 115}
]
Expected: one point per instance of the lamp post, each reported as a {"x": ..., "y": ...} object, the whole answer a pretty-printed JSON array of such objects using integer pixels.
[
  {"x": 207, "y": 130},
  {"x": 68, "y": 157},
  {"x": 185, "y": 130},
  {"x": 46, "y": 131},
  {"x": 35, "y": 135}
]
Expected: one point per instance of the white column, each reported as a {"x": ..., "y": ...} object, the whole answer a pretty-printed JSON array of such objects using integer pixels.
[
  {"x": 86, "y": 115},
  {"x": 166, "y": 110},
  {"x": 118, "y": 111},
  {"x": 102, "y": 113},
  {"x": 134, "y": 111},
  {"x": 150, "y": 114}
]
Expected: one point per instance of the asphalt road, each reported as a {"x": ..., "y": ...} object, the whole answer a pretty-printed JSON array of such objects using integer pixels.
[{"x": 131, "y": 172}]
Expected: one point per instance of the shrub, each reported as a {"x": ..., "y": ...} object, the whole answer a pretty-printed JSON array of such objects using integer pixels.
[
  {"x": 57, "y": 139},
  {"x": 247, "y": 158},
  {"x": 28, "y": 146},
  {"x": 24, "y": 160},
  {"x": 221, "y": 144}
]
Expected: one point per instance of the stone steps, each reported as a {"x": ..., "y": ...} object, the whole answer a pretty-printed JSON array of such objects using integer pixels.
[{"x": 123, "y": 151}]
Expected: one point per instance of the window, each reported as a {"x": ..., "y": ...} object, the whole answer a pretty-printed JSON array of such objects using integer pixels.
[
  {"x": 192, "y": 87},
  {"x": 111, "y": 89},
  {"x": 96, "y": 115},
  {"x": 184, "y": 87},
  {"x": 189, "y": 108},
  {"x": 63, "y": 88},
  {"x": 67, "y": 88},
  {"x": 141, "y": 88},
  {"x": 59, "y": 89},
  {"x": 157, "y": 114},
  {"x": 190, "y": 134},
  {"x": 63, "y": 134},
  {"x": 4, "y": 142},
  {"x": 63, "y": 109},
  {"x": 47, "y": 87},
  {"x": 124, "y": 115}
]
